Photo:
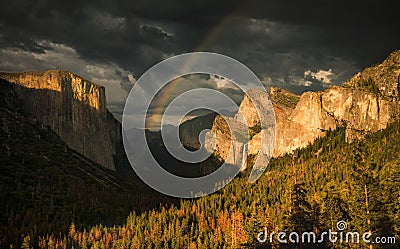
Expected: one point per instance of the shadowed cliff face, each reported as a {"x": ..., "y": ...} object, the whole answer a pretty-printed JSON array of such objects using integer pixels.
[
  {"x": 74, "y": 108},
  {"x": 367, "y": 103}
]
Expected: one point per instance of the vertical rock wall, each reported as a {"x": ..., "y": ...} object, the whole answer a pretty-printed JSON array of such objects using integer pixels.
[{"x": 74, "y": 108}]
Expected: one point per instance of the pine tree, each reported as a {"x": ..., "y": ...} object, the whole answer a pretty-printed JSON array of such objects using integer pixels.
[
  {"x": 363, "y": 182},
  {"x": 26, "y": 243},
  {"x": 300, "y": 215},
  {"x": 236, "y": 234}
]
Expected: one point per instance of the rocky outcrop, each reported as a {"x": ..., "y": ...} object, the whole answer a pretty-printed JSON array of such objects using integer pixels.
[
  {"x": 367, "y": 103},
  {"x": 72, "y": 107}
]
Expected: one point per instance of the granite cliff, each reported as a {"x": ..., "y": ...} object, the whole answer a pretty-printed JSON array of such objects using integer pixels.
[
  {"x": 366, "y": 103},
  {"x": 74, "y": 108}
]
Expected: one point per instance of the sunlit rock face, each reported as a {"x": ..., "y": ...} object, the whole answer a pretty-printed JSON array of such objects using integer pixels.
[
  {"x": 315, "y": 113},
  {"x": 367, "y": 103},
  {"x": 74, "y": 108}
]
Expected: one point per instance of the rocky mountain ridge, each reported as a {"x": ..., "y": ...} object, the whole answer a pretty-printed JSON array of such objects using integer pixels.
[{"x": 367, "y": 103}]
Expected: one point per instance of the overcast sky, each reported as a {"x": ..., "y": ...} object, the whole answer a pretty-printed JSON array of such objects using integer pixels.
[{"x": 297, "y": 45}]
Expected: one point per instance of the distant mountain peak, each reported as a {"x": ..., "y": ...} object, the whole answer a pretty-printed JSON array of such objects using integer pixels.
[{"x": 382, "y": 79}]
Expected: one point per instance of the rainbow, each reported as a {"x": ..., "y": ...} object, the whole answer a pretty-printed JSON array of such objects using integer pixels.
[
  {"x": 207, "y": 42},
  {"x": 161, "y": 101}
]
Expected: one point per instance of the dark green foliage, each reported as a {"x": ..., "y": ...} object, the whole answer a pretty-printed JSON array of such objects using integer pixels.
[
  {"x": 254, "y": 130},
  {"x": 370, "y": 85},
  {"x": 286, "y": 99},
  {"x": 300, "y": 213}
]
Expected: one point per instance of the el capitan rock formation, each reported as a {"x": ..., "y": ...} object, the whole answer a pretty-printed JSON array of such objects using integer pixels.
[{"x": 72, "y": 107}]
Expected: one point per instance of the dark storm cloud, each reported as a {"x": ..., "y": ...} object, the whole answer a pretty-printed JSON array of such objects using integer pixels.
[
  {"x": 95, "y": 33},
  {"x": 125, "y": 83},
  {"x": 279, "y": 40}
]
